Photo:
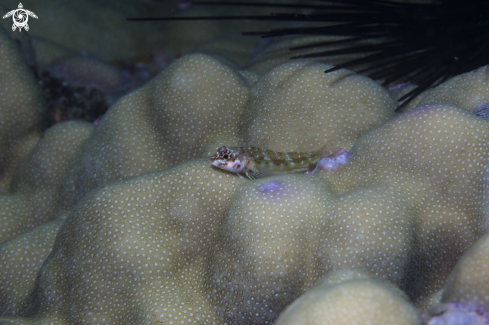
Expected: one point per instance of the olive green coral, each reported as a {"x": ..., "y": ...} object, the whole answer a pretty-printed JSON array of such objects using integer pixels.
[
  {"x": 150, "y": 232},
  {"x": 350, "y": 297},
  {"x": 21, "y": 114}
]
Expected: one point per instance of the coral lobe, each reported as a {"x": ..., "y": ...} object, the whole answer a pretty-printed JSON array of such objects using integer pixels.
[{"x": 128, "y": 222}]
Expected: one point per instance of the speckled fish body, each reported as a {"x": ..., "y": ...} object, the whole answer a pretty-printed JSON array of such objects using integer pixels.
[{"x": 256, "y": 162}]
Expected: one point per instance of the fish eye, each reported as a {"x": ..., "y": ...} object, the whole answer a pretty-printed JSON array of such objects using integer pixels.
[{"x": 225, "y": 156}]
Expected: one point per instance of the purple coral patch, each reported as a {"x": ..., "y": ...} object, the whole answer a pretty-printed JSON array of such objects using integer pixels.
[
  {"x": 270, "y": 187},
  {"x": 482, "y": 111},
  {"x": 456, "y": 314},
  {"x": 335, "y": 161}
]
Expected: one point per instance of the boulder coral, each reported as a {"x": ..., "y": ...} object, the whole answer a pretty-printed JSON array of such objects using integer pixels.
[
  {"x": 127, "y": 221},
  {"x": 296, "y": 107},
  {"x": 64, "y": 30},
  {"x": 468, "y": 91},
  {"x": 465, "y": 298},
  {"x": 434, "y": 155},
  {"x": 33, "y": 198},
  {"x": 21, "y": 116},
  {"x": 350, "y": 297}
]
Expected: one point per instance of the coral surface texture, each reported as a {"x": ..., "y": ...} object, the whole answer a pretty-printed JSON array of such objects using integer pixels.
[{"x": 125, "y": 221}]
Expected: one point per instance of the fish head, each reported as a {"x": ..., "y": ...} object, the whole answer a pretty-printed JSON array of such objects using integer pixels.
[{"x": 230, "y": 159}]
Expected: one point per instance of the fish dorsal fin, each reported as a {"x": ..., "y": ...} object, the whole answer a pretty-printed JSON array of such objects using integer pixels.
[{"x": 259, "y": 154}]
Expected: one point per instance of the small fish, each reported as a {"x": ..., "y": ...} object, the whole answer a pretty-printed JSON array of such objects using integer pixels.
[{"x": 256, "y": 162}]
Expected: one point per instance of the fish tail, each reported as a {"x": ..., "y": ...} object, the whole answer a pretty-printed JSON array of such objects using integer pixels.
[{"x": 326, "y": 150}]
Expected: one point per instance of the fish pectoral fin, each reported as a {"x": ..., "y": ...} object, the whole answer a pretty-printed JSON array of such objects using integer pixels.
[{"x": 255, "y": 175}]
